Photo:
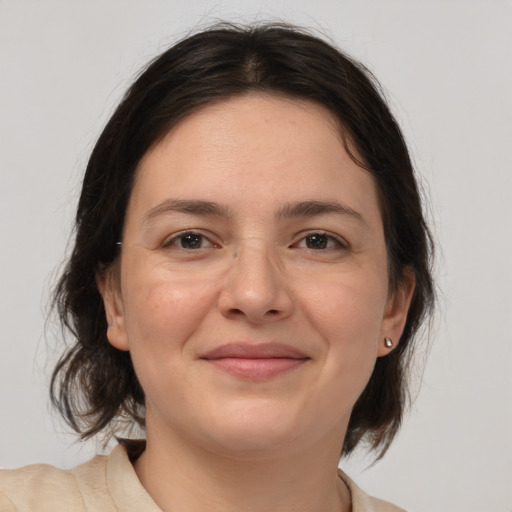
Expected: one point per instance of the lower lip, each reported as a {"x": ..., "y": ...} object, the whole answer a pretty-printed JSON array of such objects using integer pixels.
[{"x": 256, "y": 368}]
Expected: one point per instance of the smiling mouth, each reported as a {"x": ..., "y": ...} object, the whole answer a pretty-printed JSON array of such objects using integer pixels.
[{"x": 255, "y": 361}]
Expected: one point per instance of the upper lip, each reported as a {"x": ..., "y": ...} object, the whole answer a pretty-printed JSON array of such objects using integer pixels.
[{"x": 254, "y": 351}]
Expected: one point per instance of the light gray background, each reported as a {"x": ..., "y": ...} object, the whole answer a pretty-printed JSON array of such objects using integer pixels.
[{"x": 447, "y": 69}]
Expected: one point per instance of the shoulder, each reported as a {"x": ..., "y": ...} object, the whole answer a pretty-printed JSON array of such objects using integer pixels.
[
  {"x": 107, "y": 483},
  {"x": 362, "y": 502},
  {"x": 41, "y": 487}
]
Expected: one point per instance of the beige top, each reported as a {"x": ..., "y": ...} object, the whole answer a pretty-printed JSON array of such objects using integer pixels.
[{"x": 107, "y": 483}]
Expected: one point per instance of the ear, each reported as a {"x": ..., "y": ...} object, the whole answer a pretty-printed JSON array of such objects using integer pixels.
[
  {"x": 395, "y": 314},
  {"x": 108, "y": 283}
]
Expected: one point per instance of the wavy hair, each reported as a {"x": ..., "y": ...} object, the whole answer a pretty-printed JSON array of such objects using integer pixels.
[{"x": 94, "y": 385}]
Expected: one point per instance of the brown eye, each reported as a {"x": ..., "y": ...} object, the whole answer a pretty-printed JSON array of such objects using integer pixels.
[
  {"x": 317, "y": 241},
  {"x": 321, "y": 241},
  {"x": 190, "y": 241}
]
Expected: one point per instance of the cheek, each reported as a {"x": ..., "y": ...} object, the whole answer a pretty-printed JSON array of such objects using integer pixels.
[
  {"x": 348, "y": 320},
  {"x": 346, "y": 308},
  {"x": 162, "y": 311},
  {"x": 347, "y": 312},
  {"x": 161, "y": 316}
]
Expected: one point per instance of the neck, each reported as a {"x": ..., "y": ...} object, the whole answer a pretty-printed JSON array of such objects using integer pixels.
[{"x": 182, "y": 477}]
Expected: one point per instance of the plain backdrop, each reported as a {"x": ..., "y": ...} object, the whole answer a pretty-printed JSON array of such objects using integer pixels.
[{"x": 446, "y": 67}]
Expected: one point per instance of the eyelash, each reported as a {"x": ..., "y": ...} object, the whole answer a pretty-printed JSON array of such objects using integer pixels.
[
  {"x": 173, "y": 240},
  {"x": 339, "y": 242},
  {"x": 324, "y": 236}
]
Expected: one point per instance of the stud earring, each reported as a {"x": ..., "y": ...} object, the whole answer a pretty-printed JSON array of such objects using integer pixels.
[{"x": 388, "y": 342}]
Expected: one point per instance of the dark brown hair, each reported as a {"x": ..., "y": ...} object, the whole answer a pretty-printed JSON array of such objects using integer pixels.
[{"x": 94, "y": 385}]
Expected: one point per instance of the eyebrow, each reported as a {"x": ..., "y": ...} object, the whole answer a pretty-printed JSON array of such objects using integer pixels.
[
  {"x": 190, "y": 206},
  {"x": 316, "y": 208},
  {"x": 312, "y": 208}
]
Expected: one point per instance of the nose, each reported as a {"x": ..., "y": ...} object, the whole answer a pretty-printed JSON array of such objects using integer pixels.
[{"x": 255, "y": 287}]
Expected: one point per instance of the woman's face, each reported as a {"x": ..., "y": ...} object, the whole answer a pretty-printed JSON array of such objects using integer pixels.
[{"x": 252, "y": 290}]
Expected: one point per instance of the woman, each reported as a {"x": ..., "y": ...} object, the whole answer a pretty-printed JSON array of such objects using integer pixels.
[{"x": 250, "y": 268}]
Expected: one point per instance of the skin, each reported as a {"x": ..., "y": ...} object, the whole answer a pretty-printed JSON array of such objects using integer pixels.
[{"x": 258, "y": 270}]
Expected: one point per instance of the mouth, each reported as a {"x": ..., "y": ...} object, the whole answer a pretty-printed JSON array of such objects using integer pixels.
[{"x": 261, "y": 361}]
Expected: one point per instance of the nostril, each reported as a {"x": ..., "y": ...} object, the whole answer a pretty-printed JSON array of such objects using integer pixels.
[{"x": 272, "y": 312}]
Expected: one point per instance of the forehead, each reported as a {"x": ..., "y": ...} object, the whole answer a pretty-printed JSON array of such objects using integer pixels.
[
  {"x": 255, "y": 148},
  {"x": 250, "y": 115}
]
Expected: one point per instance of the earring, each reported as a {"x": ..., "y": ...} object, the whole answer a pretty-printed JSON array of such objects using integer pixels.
[{"x": 388, "y": 342}]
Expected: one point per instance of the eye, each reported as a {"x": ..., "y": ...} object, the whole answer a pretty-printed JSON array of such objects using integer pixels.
[
  {"x": 189, "y": 241},
  {"x": 321, "y": 241}
]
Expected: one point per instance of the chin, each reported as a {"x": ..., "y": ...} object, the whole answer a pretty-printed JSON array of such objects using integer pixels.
[
  {"x": 252, "y": 445},
  {"x": 250, "y": 430}
]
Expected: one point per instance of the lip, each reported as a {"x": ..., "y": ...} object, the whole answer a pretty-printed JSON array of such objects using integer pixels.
[{"x": 260, "y": 361}]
